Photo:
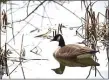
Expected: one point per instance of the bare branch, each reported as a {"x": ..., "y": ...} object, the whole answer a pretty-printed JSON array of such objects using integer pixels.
[
  {"x": 12, "y": 25},
  {"x": 67, "y": 9},
  {"x": 18, "y": 31},
  {"x": 31, "y": 12},
  {"x": 89, "y": 73},
  {"x": 28, "y": 6}
]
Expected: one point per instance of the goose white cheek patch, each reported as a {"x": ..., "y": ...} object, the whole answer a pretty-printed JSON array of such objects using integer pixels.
[{"x": 58, "y": 39}]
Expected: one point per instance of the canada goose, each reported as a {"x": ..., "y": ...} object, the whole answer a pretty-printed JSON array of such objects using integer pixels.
[{"x": 72, "y": 55}]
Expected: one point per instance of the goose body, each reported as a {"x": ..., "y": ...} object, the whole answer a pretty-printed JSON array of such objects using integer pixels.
[{"x": 72, "y": 55}]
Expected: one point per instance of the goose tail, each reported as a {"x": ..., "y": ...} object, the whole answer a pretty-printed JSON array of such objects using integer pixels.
[
  {"x": 97, "y": 64},
  {"x": 93, "y": 63},
  {"x": 94, "y": 51},
  {"x": 89, "y": 62}
]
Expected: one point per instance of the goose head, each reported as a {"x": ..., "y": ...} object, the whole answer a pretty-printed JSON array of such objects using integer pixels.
[{"x": 60, "y": 39}]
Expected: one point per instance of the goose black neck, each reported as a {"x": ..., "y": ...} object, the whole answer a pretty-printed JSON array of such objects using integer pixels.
[{"x": 61, "y": 43}]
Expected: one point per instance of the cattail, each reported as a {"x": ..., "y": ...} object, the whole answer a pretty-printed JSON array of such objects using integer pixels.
[
  {"x": 58, "y": 28},
  {"x": 4, "y": 18},
  {"x": 61, "y": 28},
  {"x": 55, "y": 32}
]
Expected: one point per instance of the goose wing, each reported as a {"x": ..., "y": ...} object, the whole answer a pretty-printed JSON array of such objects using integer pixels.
[{"x": 73, "y": 50}]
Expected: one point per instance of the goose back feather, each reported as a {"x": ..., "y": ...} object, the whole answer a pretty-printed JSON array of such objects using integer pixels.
[{"x": 72, "y": 50}]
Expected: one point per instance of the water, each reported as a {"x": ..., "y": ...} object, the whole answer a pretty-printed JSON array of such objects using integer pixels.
[{"x": 42, "y": 68}]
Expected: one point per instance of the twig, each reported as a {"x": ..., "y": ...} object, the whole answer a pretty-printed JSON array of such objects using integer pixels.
[
  {"x": 79, "y": 34},
  {"x": 12, "y": 24},
  {"x": 28, "y": 59},
  {"x": 14, "y": 69},
  {"x": 42, "y": 16},
  {"x": 13, "y": 49},
  {"x": 21, "y": 46},
  {"x": 31, "y": 12},
  {"x": 32, "y": 25},
  {"x": 21, "y": 56},
  {"x": 36, "y": 46},
  {"x": 17, "y": 8},
  {"x": 0, "y": 29},
  {"x": 23, "y": 59},
  {"x": 47, "y": 15},
  {"x": 100, "y": 73},
  {"x": 22, "y": 71},
  {"x": 5, "y": 54},
  {"x": 28, "y": 6},
  {"x": 67, "y": 9},
  {"x": 19, "y": 31},
  {"x": 89, "y": 73},
  {"x": 43, "y": 35}
]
